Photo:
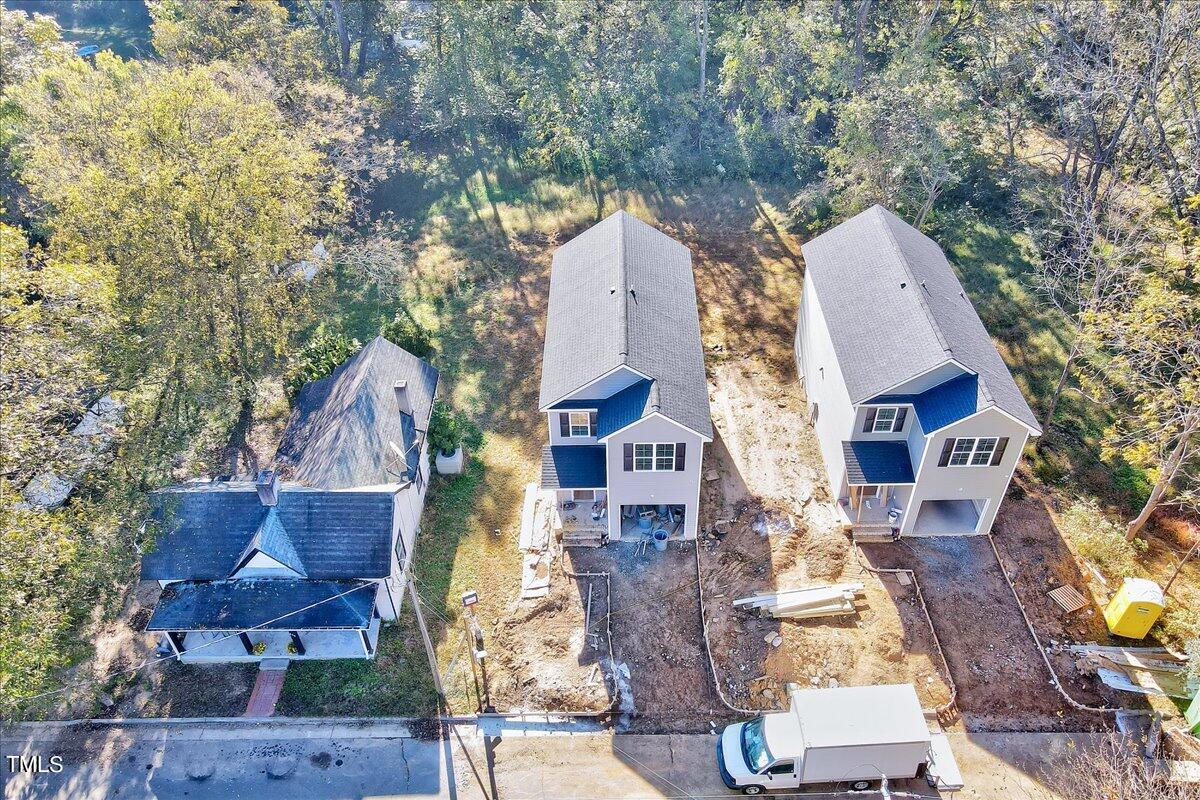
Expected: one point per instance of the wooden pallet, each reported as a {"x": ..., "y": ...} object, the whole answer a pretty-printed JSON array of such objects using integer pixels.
[{"x": 1068, "y": 599}]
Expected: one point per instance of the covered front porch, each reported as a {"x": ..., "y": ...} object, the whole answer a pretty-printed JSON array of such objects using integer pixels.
[
  {"x": 576, "y": 476},
  {"x": 879, "y": 485},
  {"x": 259, "y": 618}
]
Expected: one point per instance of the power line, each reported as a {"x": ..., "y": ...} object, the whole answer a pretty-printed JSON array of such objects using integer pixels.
[{"x": 175, "y": 656}]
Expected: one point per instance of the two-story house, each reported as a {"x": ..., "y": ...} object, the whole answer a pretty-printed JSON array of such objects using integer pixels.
[
  {"x": 919, "y": 420},
  {"x": 306, "y": 561},
  {"x": 623, "y": 384}
]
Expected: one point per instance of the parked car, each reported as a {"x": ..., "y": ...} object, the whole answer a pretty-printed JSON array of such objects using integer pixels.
[{"x": 855, "y": 735}]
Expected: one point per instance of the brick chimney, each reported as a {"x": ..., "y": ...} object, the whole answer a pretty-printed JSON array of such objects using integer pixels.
[
  {"x": 403, "y": 401},
  {"x": 268, "y": 487}
]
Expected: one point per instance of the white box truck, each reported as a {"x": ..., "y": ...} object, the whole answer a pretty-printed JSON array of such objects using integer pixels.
[{"x": 853, "y": 735}]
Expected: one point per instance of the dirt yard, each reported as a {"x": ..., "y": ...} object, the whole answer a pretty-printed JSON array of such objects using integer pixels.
[
  {"x": 1003, "y": 685},
  {"x": 761, "y": 475},
  {"x": 543, "y": 657}
]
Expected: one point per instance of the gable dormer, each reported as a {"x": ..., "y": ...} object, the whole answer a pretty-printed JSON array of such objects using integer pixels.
[{"x": 270, "y": 552}]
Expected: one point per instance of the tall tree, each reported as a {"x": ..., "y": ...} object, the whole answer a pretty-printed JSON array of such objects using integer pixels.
[
  {"x": 194, "y": 193},
  {"x": 1088, "y": 262},
  {"x": 1153, "y": 362}
]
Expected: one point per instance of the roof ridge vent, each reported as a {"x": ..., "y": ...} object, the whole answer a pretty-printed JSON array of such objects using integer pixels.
[
  {"x": 928, "y": 312},
  {"x": 623, "y": 282}
]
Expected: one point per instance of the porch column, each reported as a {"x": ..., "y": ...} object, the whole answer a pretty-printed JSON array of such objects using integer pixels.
[
  {"x": 366, "y": 640},
  {"x": 176, "y": 639},
  {"x": 246, "y": 643},
  {"x": 297, "y": 645}
]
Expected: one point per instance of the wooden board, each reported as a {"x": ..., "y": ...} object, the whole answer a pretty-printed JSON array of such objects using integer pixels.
[{"x": 1068, "y": 599}]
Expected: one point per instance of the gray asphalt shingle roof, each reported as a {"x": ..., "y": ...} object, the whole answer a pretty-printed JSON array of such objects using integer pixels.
[
  {"x": 208, "y": 527},
  {"x": 265, "y": 603},
  {"x": 895, "y": 309},
  {"x": 623, "y": 293},
  {"x": 342, "y": 428},
  {"x": 574, "y": 467}
]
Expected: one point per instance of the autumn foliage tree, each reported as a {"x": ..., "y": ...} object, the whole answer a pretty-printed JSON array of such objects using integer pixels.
[{"x": 191, "y": 192}]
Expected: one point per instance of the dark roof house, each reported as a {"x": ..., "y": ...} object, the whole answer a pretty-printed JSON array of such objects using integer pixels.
[{"x": 364, "y": 425}]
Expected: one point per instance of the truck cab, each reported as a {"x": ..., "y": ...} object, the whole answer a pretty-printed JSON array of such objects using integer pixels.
[{"x": 852, "y": 735}]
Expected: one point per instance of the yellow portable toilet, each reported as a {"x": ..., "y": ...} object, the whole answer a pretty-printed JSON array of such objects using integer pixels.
[{"x": 1134, "y": 608}]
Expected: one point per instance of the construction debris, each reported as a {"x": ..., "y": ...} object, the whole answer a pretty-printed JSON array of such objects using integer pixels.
[
  {"x": 1143, "y": 670},
  {"x": 534, "y": 542},
  {"x": 1068, "y": 599},
  {"x": 807, "y": 603}
]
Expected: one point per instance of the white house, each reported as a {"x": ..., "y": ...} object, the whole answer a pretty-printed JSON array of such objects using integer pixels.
[
  {"x": 623, "y": 385},
  {"x": 308, "y": 560},
  {"x": 919, "y": 420}
]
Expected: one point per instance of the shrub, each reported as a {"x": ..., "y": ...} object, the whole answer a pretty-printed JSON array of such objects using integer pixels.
[
  {"x": 403, "y": 331},
  {"x": 448, "y": 429},
  {"x": 1133, "y": 483},
  {"x": 319, "y": 358},
  {"x": 1100, "y": 540}
]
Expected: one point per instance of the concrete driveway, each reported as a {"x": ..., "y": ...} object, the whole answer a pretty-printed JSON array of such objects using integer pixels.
[{"x": 319, "y": 759}]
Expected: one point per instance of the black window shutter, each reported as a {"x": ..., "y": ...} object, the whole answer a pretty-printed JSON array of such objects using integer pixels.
[
  {"x": 901, "y": 415},
  {"x": 998, "y": 453},
  {"x": 680, "y": 449},
  {"x": 564, "y": 423},
  {"x": 592, "y": 423},
  {"x": 628, "y": 457},
  {"x": 947, "y": 448},
  {"x": 869, "y": 425}
]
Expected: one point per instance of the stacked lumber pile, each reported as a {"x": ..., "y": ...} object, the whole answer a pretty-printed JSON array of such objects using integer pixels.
[
  {"x": 826, "y": 600},
  {"x": 534, "y": 543},
  {"x": 1143, "y": 670}
]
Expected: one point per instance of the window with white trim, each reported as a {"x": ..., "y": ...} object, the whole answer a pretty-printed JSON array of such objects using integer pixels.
[
  {"x": 664, "y": 457},
  {"x": 643, "y": 458},
  {"x": 659, "y": 457},
  {"x": 973, "y": 452},
  {"x": 581, "y": 424},
  {"x": 984, "y": 448},
  {"x": 885, "y": 419}
]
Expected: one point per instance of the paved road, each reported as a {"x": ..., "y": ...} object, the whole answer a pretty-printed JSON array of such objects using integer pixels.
[{"x": 339, "y": 761}]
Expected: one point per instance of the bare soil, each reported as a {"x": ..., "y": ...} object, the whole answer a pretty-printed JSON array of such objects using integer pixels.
[
  {"x": 1003, "y": 685},
  {"x": 657, "y": 634},
  {"x": 543, "y": 658},
  {"x": 761, "y": 479}
]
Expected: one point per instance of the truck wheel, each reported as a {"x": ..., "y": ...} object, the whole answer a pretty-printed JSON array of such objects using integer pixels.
[
  {"x": 752, "y": 790},
  {"x": 860, "y": 786}
]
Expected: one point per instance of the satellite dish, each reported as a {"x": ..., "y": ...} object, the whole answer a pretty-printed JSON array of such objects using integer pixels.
[{"x": 87, "y": 50}]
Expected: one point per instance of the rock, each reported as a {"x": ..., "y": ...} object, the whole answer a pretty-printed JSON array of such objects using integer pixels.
[
  {"x": 768, "y": 693},
  {"x": 712, "y": 475},
  {"x": 722, "y": 525},
  {"x": 281, "y": 766},
  {"x": 833, "y": 683},
  {"x": 814, "y": 680},
  {"x": 107, "y": 700}
]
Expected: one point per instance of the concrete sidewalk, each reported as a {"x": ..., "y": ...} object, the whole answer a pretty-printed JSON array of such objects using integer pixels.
[{"x": 269, "y": 759}]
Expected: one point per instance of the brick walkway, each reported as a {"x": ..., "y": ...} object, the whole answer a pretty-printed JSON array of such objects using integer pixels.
[{"x": 267, "y": 688}]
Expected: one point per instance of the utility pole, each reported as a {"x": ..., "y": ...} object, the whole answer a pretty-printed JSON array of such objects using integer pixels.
[
  {"x": 475, "y": 645},
  {"x": 429, "y": 651}
]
